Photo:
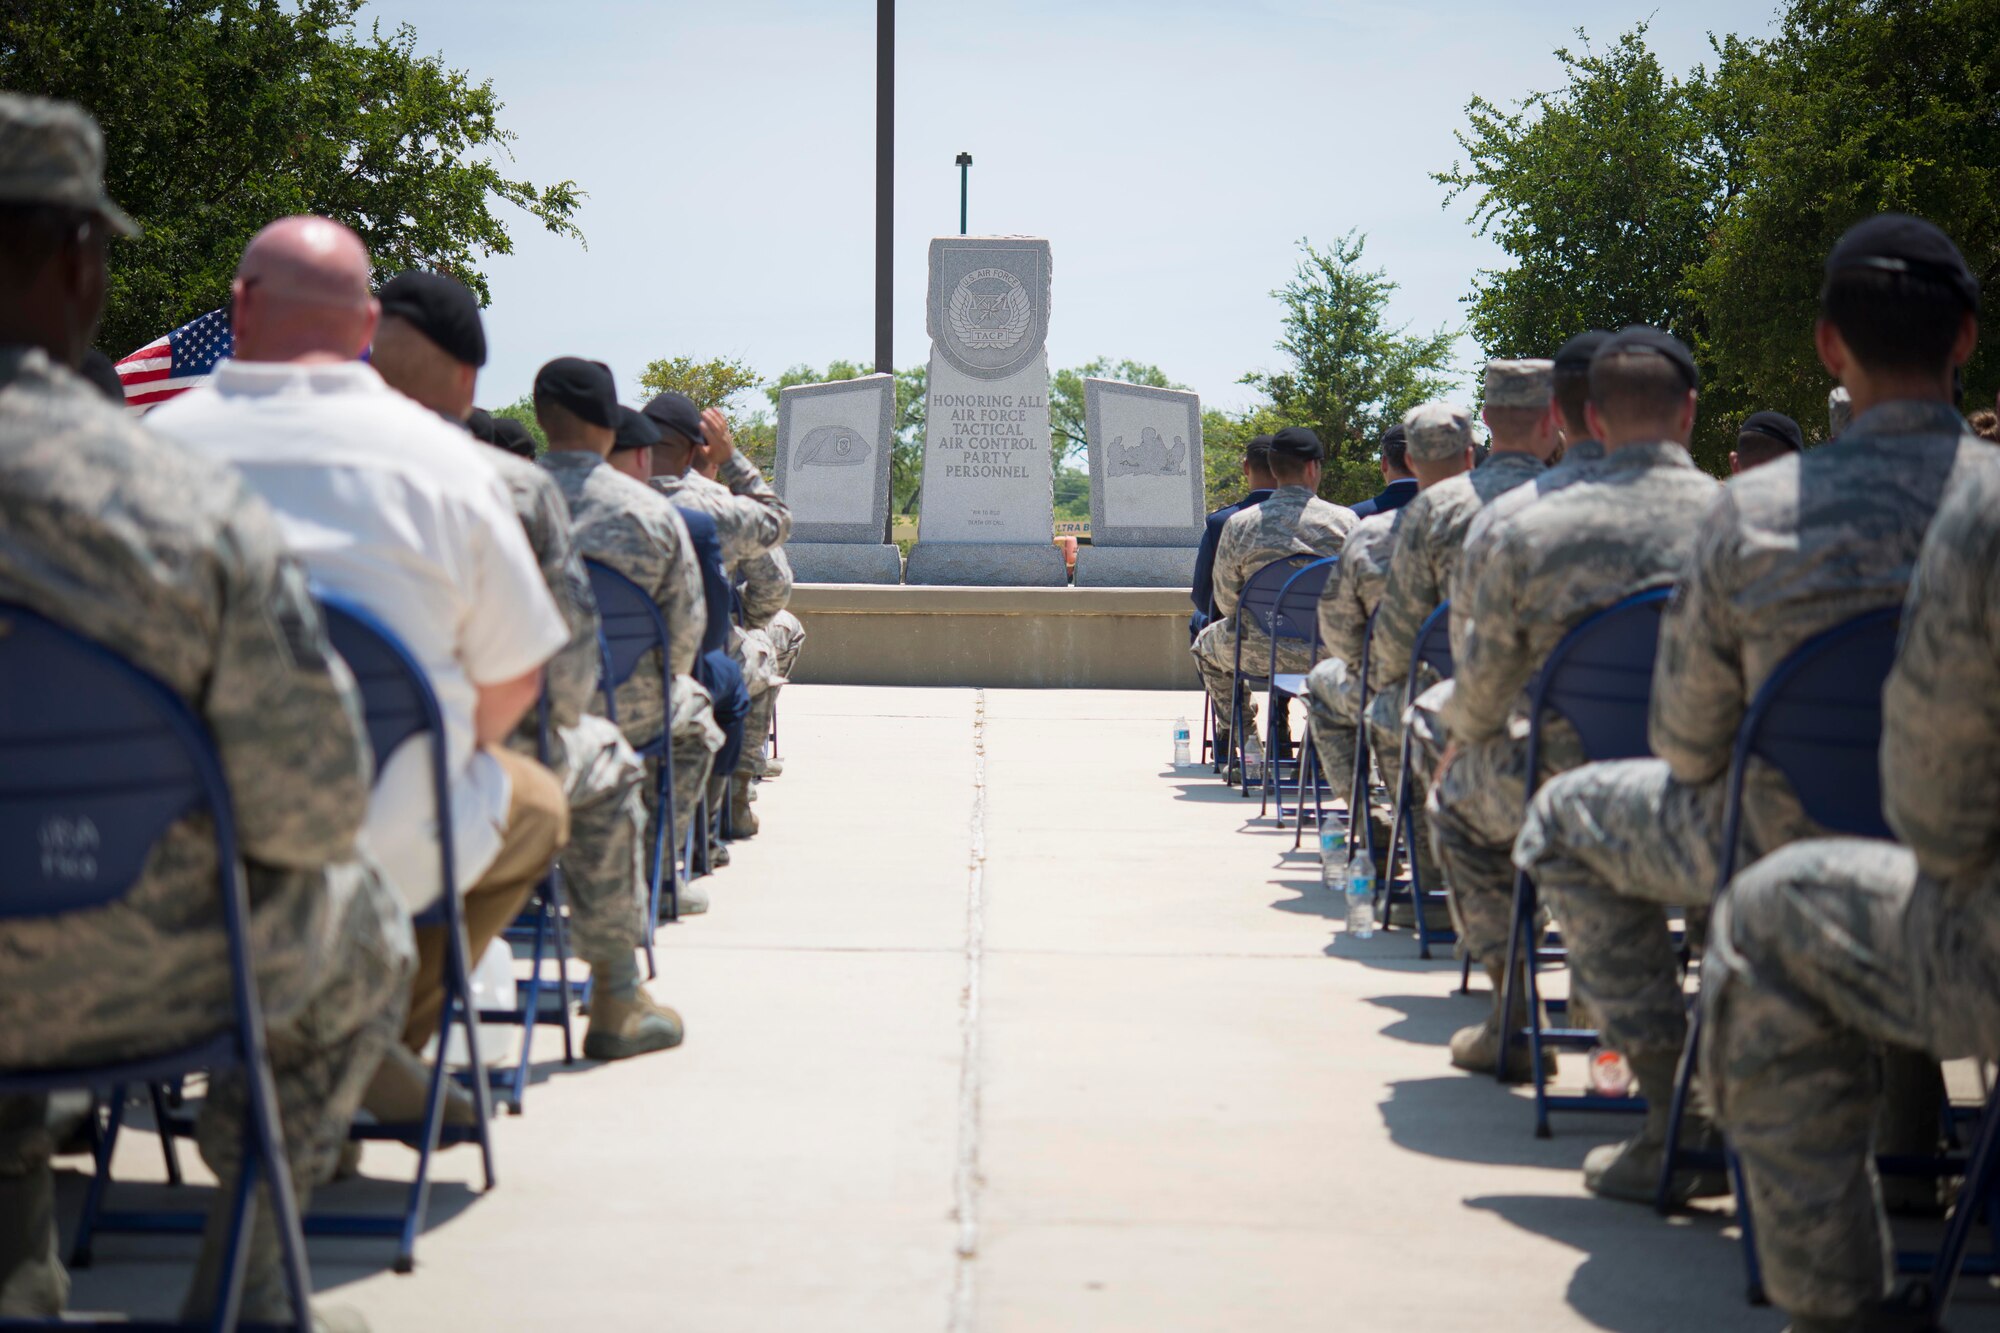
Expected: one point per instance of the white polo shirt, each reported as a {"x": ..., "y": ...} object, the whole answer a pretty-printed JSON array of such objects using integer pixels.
[{"x": 392, "y": 507}]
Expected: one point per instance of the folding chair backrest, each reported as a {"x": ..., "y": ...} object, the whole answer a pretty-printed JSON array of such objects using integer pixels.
[
  {"x": 1295, "y": 613},
  {"x": 397, "y": 702},
  {"x": 1818, "y": 720},
  {"x": 1262, "y": 590},
  {"x": 631, "y": 621},
  {"x": 1433, "y": 646},
  {"x": 1600, "y": 676},
  {"x": 97, "y": 761}
]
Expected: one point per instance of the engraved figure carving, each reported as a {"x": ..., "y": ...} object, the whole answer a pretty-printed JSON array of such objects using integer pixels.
[
  {"x": 1149, "y": 458},
  {"x": 833, "y": 446},
  {"x": 989, "y": 320}
]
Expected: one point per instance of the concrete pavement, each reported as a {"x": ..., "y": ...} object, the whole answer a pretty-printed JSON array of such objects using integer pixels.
[{"x": 1003, "y": 1025}]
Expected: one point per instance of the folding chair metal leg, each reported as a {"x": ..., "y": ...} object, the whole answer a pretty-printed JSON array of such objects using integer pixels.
[
  {"x": 284, "y": 1203},
  {"x": 1975, "y": 1199},
  {"x": 167, "y": 1150},
  {"x": 93, "y": 1196}
]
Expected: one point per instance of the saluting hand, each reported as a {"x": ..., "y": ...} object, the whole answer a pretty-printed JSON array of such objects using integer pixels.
[{"x": 718, "y": 443}]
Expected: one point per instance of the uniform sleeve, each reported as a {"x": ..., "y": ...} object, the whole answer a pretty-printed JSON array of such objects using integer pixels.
[
  {"x": 1201, "y": 591},
  {"x": 573, "y": 671},
  {"x": 1230, "y": 575},
  {"x": 759, "y": 518},
  {"x": 1491, "y": 658},
  {"x": 1698, "y": 685},
  {"x": 283, "y": 709},
  {"x": 767, "y": 587},
  {"x": 1342, "y": 617},
  {"x": 1408, "y": 599},
  {"x": 1941, "y": 708}
]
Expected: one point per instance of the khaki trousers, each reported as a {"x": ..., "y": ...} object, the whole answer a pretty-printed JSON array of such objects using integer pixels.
[{"x": 537, "y": 828}]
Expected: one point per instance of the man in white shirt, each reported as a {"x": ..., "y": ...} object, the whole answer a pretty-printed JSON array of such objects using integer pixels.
[{"x": 392, "y": 508}]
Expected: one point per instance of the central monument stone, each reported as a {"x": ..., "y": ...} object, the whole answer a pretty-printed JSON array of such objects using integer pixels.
[{"x": 988, "y": 507}]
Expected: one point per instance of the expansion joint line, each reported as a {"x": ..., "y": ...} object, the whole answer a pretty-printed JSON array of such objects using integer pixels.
[{"x": 966, "y": 1181}]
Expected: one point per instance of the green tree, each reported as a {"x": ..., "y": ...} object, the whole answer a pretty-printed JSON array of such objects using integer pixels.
[
  {"x": 1352, "y": 375},
  {"x": 1859, "y": 108},
  {"x": 712, "y": 383},
  {"x": 1067, "y": 428},
  {"x": 1223, "y": 436},
  {"x": 220, "y": 115}
]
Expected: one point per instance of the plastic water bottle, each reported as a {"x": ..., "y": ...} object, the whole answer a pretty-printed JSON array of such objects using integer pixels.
[
  {"x": 1332, "y": 857},
  {"x": 1253, "y": 762},
  {"x": 1181, "y": 752},
  {"x": 1361, "y": 896}
]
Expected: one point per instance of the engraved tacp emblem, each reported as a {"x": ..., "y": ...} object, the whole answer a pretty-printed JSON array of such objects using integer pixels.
[
  {"x": 989, "y": 310},
  {"x": 833, "y": 446},
  {"x": 1151, "y": 457},
  {"x": 988, "y": 304}
]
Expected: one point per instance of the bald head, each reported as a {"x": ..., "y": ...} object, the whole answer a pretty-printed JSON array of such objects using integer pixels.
[{"x": 302, "y": 293}]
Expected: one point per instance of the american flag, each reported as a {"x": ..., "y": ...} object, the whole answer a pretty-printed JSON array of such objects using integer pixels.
[{"x": 176, "y": 363}]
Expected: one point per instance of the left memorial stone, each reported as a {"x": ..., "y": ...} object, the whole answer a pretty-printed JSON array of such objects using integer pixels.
[{"x": 834, "y": 445}]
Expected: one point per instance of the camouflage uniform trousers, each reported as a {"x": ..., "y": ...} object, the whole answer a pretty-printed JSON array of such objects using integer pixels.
[
  {"x": 1475, "y": 811},
  {"x": 1333, "y": 711},
  {"x": 322, "y": 1053},
  {"x": 1214, "y": 652},
  {"x": 1387, "y": 719},
  {"x": 1820, "y": 956},
  {"x": 603, "y": 867},
  {"x": 788, "y": 638}
]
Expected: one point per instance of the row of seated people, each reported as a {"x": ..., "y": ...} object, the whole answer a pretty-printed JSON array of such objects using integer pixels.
[
  {"x": 331, "y": 456},
  {"x": 1836, "y": 973}
]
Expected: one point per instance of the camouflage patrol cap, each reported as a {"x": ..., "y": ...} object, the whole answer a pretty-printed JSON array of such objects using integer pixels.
[
  {"x": 1437, "y": 432},
  {"x": 52, "y": 153},
  {"x": 1519, "y": 383}
]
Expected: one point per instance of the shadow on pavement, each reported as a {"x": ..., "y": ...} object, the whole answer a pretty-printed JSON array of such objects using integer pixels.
[
  {"x": 1634, "y": 1277},
  {"x": 1464, "y": 1117},
  {"x": 1429, "y": 1020}
]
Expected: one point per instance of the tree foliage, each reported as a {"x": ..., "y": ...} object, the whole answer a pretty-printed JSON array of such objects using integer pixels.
[
  {"x": 523, "y": 411},
  {"x": 1707, "y": 203},
  {"x": 1067, "y": 427},
  {"x": 220, "y": 115}
]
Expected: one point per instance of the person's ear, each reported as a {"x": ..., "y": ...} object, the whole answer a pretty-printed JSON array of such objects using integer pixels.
[
  {"x": 1593, "y": 419},
  {"x": 1735, "y": 464},
  {"x": 1968, "y": 337},
  {"x": 1832, "y": 349},
  {"x": 1687, "y": 413}
]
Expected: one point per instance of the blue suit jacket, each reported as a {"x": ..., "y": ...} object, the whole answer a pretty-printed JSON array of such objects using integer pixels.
[
  {"x": 1394, "y": 496},
  {"x": 1202, "y": 594}
]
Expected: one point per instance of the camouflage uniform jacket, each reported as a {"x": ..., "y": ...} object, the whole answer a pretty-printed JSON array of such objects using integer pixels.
[
  {"x": 764, "y": 584},
  {"x": 1427, "y": 548},
  {"x": 1626, "y": 525},
  {"x": 750, "y": 516},
  {"x": 1293, "y": 521},
  {"x": 172, "y": 563},
  {"x": 633, "y": 529},
  {"x": 1351, "y": 595},
  {"x": 572, "y": 672},
  {"x": 1941, "y": 708},
  {"x": 1577, "y": 462},
  {"x": 1787, "y": 550}
]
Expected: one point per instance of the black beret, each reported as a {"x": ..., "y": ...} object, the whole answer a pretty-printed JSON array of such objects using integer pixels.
[
  {"x": 1776, "y": 426},
  {"x": 515, "y": 437},
  {"x": 1298, "y": 442},
  {"x": 1258, "y": 446},
  {"x": 1646, "y": 338},
  {"x": 675, "y": 412},
  {"x": 582, "y": 387},
  {"x": 480, "y": 422},
  {"x": 441, "y": 308},
  {"x": 1899, "y": 243},
  {"x": 1394, "y": 435},
  {"x": 1574, "y": 355},
  {"x": 634, "y": 431}
]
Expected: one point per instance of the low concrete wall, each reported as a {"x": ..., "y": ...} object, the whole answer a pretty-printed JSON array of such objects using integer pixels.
[{"x": 1002, "y": 638}]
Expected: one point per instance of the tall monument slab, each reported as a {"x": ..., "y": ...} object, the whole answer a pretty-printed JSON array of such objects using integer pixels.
[
  {"x": 834, "y": 446},
  {"x": 1146, "y": 486},
  {"x": 988, "y": 507}
]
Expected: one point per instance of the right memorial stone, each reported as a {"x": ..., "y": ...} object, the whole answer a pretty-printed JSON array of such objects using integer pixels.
[{"x": 1146, "y": 486}]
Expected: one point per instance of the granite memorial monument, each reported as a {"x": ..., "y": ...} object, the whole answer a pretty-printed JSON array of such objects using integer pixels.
[
  {"x": 834, "y": 446},
  {"x": 1146, "y": 486}
]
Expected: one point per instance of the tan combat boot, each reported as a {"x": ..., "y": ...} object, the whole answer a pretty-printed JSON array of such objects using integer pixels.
[
  {"x": 742, "y": 819},
  {"x": 33, "y": 1283},
  {"x": 1631, "y": 1170},
  {"x": 624, "y": 1020},
  {"x": 401, "y": 1084},
  {"x": 1477, "y": 1047}
]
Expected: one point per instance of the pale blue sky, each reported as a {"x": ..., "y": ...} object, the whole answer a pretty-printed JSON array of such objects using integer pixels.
[{"x": 1172, "y": 152}]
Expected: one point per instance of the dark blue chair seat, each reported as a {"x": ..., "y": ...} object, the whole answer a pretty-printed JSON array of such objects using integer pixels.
[
  {"x": 1432, "y": 649},
  {"x": 1293, "y": 616},
  {"x": 1254, "y": 606}
]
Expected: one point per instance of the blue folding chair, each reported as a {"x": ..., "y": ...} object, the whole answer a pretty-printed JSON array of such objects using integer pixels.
[
  {"x": 90, "y": 743},
  {"x": 1599, "y": 678},
  {"x": 631, "y": 626},
  {"x": 543, "y": 928},
  {"x": 1254, "y": 606},
  {"x": 1295, "y": 616},
  {"x": 1976, "y": 1201},
  {"x": 1817, "y": 719},
  {"x": 1432, "y": 649}
]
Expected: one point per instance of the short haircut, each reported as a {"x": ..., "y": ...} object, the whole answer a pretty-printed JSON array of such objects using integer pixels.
[
  {"x": 1634, "y": 385},
  {"x": 32, "y": 234},
  {"x": 1257, "y": 452},
  {"x": 558, "y": 422},
  {"x": 1286, "y": 468},
  {"x": 1893, "y": 321},
  {"x": 1396, "y": 451},
  {"x": 1572, "y": 391},
  {"x": 1510, "y": 423}
]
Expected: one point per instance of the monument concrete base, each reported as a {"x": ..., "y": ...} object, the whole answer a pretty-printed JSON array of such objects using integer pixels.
[
  {"x": 1134, "y": 566},
  {"x": 844, "y": 562},
  {"x": 987, "y": 565}
]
